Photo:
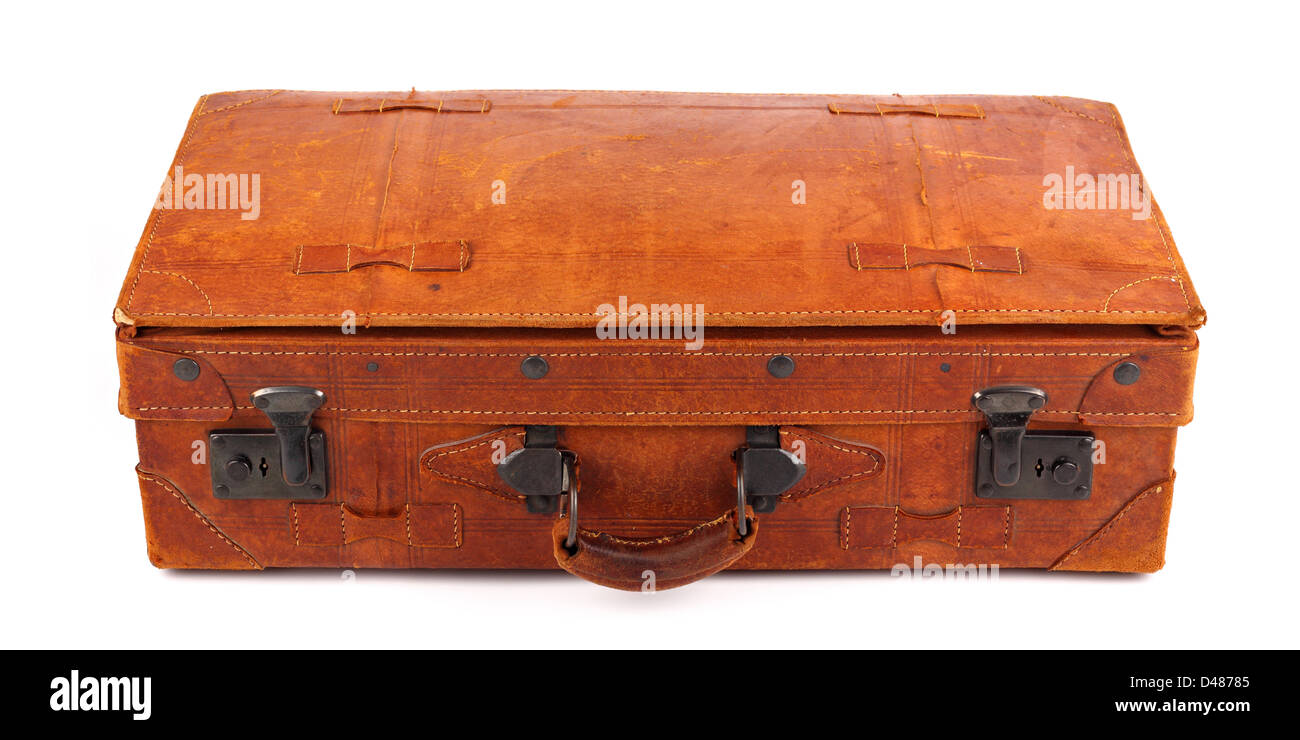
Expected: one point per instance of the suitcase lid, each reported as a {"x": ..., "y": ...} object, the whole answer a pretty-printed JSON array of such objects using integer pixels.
[{"x": 552, "y": 208}]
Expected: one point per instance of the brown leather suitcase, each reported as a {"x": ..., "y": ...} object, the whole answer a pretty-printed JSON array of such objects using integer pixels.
[{"x": 648, "y": 336}]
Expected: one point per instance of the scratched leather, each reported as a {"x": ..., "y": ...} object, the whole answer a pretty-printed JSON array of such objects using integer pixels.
[{"x": 656, "y": 196}]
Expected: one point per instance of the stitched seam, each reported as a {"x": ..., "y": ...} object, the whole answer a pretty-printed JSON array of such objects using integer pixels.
[
  {"x": 672, "y": 354},
  {"x": 657, "y": 540},
  {"x": 1114, "y": 125},
  {"x": 672, "y": 413},
  {"x": 180, "y": 160},
  {"x": 825, "y": 312},
  {"x": 240, "y": 105},
  {"x": 810, "y": 438},
  {"x": 1094, "y": 539},
  {"x": 199, "y": 515},
  {"x": 182, "y": 277},
  {"x": 800, "y": 494},
  {"x": 293, "y": 509},
  {"x": 1171, "y": 278},
  {"x": 428, "y": 465},
  {"x": 848, "y": 528},
  {"x": 1058, "y": 106}
]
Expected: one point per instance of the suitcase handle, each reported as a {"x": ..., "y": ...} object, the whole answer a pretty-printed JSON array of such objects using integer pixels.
[{"x": 652, "y": 563}]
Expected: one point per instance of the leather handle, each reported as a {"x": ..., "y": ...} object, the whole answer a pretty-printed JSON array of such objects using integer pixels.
[{"x": 631, "y": 564}]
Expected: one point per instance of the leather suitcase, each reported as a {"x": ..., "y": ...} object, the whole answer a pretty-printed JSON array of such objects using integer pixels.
[{"x": 645, "y": 337}]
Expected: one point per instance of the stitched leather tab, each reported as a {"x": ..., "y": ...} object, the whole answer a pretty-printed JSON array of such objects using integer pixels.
[
  {"x": 473, "y": 462},
  {"x": 415, "y": 525},
  {"x": 418, "y": 101},
  {"x": 151, "y": 389},
  {"x": 314, "y": 259},
  {"x": 831, "y": 462},
  {"x": 976, "y": 258},
  {"x": 890, "y": 526},
  {"x": 938, "y": 110}
]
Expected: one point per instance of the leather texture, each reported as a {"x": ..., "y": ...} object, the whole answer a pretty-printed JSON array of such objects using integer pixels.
[
  {"x": 571, "y": 199},
  {"x": 383, "y": 211}
]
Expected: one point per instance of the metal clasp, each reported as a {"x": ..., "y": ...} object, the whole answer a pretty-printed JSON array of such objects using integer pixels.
[
  {"x": 288, "y": 463},
  {"x": 541, "y": 471},
  {"x": 1008, "y": 408},
  {"x": 763, "y": 472},
  {"x": 1015, "y": 465}
]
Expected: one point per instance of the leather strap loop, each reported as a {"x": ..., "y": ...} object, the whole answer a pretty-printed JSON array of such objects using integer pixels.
[{"x": 672, "y": 560}]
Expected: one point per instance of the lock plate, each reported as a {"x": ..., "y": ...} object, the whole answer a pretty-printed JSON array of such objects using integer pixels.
[
  {"x": 1053, "y": 465},
  {"x": 246, "y": 465}
]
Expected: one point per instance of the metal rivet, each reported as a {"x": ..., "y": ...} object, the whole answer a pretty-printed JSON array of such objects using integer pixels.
[
  {"x": 238, "y": 468},
  {"x": 945, "y": 367},
  {"x": 186, "y": 369},
  {"x": 1127, "y": 373},
  {"x": 1065, "y": 471},
  {"x": 372, "y": 366},
  {"x": 534, "y": 367},
  {"x": 781, "y": 366},
  {"x": 1081, "y": 490},
  {"x": 222, "y": 490}
]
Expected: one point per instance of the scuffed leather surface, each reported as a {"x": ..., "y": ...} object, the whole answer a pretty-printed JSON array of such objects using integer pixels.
[
  {"x": 842, "y": 376},
  {"x": 1125, "y": 543},
  {"x": 150, "y": 389},
  {"x": 656, "y": 196}
]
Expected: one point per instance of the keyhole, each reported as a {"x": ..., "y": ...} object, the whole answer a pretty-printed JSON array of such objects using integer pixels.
[
  {"x": 264, "y": 467},
  {"x": 1039, "y": 468}
]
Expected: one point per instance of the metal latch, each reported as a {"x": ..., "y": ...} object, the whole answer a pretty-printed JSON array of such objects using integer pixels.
[
  {"x": 540, "y": 470},
  {"x": 1015, "y": 464},
  {"x": 288, "y": 463},
  {"x": 763, "y": 470}
]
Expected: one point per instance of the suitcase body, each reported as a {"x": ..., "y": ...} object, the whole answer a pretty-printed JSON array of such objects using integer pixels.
[{"x": 645, "y": 336}]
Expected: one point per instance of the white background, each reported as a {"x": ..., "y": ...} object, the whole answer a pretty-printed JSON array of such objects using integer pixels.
[{"x": 95, "y": 99}]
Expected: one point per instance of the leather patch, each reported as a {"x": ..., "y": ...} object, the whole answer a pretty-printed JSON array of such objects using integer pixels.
[
  {"x": 413, "y": 101},
  {"x": 880, "y": 527},
  {"x": 1133, "y": 541},
  {"x": 975, "y": 258},
  {"x": 1162, "y": 394},
  {"x": 473, "y": 461},
  {"x": 445, "y": 256},
  {"x": 937, "y": 110},
  {"x": 414, "y": 525},
  {"x": 151, "y": 389},
  {"x": 181, "y": 536},
  {"x": 831, "y": 462}
]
